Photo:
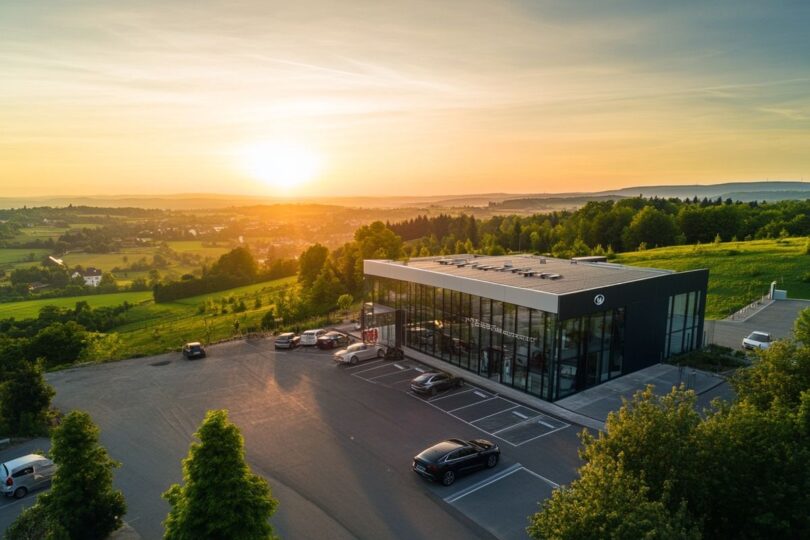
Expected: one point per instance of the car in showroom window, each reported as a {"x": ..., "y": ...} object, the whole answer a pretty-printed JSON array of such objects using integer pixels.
[
  {"x": 359, "y": 352},
  {"x": 447, "y": 460}
]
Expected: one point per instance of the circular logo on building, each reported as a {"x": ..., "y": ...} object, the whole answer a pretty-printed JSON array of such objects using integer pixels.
[{"x": 599, "y": 299}]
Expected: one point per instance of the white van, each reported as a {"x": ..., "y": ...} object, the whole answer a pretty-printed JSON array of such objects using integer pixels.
[
  {"x": 25, "y": 474},
  {"x": 310, "y": 337}
]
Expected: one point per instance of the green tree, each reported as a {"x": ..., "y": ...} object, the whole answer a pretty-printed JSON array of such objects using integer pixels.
[
  {"x": 777, "y": 379},
  {"x": 377, "y": 241},
  {"x": 607, "y": 502},
  {"x": 310, "y": 263},
  {"x": 239, "y": 263},
  {"x": 58, "y": 343},
  {"x": 82, "y": 501},
  {"x": 801, "y": 328},
  {"x": 652, "y": 227},
  {"x": 215, "y": 466},
  {"x": 24, "y": 401},
  {"x": 326, "y": 289},
  {"x": 344, "y": 302}
]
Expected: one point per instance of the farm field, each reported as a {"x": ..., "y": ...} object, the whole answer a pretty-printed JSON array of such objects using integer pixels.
[
  {"x": 30, "y": 308},
  {"x": 196, "y": 246},
  {"x": 739, "y": 272}
]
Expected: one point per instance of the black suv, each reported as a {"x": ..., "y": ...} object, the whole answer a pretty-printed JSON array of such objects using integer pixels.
[
  {"x": 193, "y": 350},
  {"x": 331, "y": 340},
  {"x": 449, "y": 459}
]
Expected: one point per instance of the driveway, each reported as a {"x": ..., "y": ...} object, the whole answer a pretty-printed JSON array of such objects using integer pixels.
[{"x": 776, "y": 318}]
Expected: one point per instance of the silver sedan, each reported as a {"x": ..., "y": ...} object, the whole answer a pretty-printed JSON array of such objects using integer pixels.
[{"x": 359, "y": 352}]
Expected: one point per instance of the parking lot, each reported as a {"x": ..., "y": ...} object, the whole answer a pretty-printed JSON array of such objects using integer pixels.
[
  {"x": 776, "y": 319},
  {"x": 498, "y": 417},
  {"x": 336, "y": 444}
]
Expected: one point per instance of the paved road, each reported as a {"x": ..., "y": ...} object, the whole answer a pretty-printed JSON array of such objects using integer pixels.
[
  {"x": 776, "y": 318},
  {"x": 335, "y": 448}
]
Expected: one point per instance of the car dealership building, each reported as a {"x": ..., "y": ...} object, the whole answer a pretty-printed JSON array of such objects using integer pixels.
[{"x": 548, "y": 327}]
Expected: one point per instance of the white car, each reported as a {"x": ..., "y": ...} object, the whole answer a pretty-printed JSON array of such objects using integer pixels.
[
  {"x": 359, "y": 352},
  {"x": 310, "y": 337},
  {"x": 25, "y": 474},
  {"x": 757, "y": 340}
]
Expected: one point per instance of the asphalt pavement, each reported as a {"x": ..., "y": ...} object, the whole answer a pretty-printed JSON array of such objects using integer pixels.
[{"x": 335, "y": 448}]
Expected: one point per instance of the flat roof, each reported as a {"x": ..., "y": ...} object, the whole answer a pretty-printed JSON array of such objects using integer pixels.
[
  {"x": 523, "y": 280},
  {"x": 532, "y": 272}
]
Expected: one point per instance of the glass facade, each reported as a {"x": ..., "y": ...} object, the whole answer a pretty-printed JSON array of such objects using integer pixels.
[
  {"x": 683, "y": 319},
  {"x": 523, "y": 348}
]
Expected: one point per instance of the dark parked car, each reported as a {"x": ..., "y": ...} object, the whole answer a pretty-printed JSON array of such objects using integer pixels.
[
  {"x": 432, "y": 382},
  {"x": 333, "y": 339},
  {"x": 193, "y": 350},
  {"x": 287, "y": 340},
  {"x": 445, "y": 461}
]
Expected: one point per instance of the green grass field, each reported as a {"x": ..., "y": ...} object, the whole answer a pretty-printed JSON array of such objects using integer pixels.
[
  {"x": 195, "y": 246},
  {"x": 156, "y": 328},
  {"x": 30, "y": 308},
  {"x": 11, "y": 256},
  {"x": 739, "y": 272}
]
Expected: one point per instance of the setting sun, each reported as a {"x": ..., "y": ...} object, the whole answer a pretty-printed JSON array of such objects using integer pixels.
[{"x": 280, "y": 165}]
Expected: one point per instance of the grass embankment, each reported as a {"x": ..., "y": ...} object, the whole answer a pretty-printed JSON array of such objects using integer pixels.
[
  {"x": 739, "y": 272},
  {"x": 156, "y": 328}
]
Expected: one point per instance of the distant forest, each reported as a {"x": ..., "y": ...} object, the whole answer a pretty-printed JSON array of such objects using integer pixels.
[{"x": 606, "y": 226}]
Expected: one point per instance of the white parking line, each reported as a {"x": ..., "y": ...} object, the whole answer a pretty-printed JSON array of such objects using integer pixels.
[
  {"x": 493, "y": 414},
  {"x": 543, "y": 435},
  {"x": 480, "y": 394},
  {"x": 453, "y": 392},
  {"x": 399, "y": 367},
  {"x": 371, "y": 369},
  {"x": 549, "y": 426},
  {"x": 541, "y": 477},
  {"x": 420, "y": 370},
  {"x": 484, "y": 483},
  {"x": 451, "y": 395},
  {"x": 471, "y": 404},
  {"x": 409, "y": 378},
  {"x": 520, "y": 415},
  {"x": 386, "y": 375},
  {"x": 460, "y": 419},
  {"x": 366, "y": 364},
  {"x": 513, "y": 425}
]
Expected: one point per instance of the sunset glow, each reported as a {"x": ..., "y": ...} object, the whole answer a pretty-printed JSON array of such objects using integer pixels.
[
  {"x": 433, "y": 98},
  {"x": 280, "y": 165}
]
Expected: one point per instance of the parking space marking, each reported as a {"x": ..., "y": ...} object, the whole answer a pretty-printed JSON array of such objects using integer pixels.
[
  {"x": 484, "y": 483},
  {"x": 370, "y": 369},
  {"x": 543, "y": 435},
  {"x": 541, "y": 477},
  {"x": 447, "y": 396},
  {"x": 514, "y": 433},
  {"x": 493, "y": 414},
  {"x": 450, "y": 393},
  {"x": 366, "y": 364},
  {"x": 473, "y": 404},
  {"x": 387, "y": 374}
]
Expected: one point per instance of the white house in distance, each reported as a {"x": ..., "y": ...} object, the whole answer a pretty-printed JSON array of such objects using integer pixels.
[{"x": 91, "y": 276}]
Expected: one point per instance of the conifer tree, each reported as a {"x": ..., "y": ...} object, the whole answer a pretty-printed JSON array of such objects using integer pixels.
[{"x": 220, "y": 497}]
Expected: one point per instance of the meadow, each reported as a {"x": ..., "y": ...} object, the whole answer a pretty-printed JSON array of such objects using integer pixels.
[
  {"x": 30, "y": 308},
  {"x": 739, "y": 272}
]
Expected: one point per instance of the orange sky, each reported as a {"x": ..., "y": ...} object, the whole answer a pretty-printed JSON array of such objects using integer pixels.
[{"x": 375, "y": 98}]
